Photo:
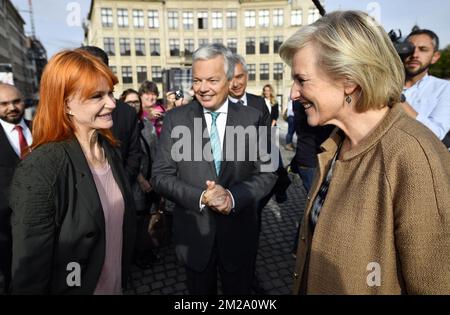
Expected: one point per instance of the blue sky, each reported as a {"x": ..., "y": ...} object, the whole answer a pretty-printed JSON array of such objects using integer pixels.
[{"x": 56, "y": 34}]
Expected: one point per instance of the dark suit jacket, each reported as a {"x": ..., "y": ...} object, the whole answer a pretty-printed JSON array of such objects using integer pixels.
[
  {"x": 126, "y": 129},
  {"x": 184, "y": 181},
  {"x": 58, "y": 219},
  {"x": 8, "y": 163},
  {"x": 258, "y": 103}
]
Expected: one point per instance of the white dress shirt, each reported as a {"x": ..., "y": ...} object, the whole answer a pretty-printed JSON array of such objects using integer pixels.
[
  {"x": 221, "y": 124},
  {"x": 13, "y": 135},
  {"x": 243, "y": 99},
  {"x": 430, "y": 97}
]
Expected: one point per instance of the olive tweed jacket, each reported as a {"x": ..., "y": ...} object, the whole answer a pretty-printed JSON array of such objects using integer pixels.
[{"x": 385, "y": 225}]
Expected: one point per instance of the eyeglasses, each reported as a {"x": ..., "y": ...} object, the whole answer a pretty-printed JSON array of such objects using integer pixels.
[
  {"x": 134, "y": 103},
  {"x": 13, "y": 102}
]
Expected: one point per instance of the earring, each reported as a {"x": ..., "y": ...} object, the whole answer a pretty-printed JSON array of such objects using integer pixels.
[{"x": 348, "y": 99}]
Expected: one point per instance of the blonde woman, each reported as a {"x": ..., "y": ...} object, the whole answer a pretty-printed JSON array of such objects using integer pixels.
[
  {"x": 377, "y": 219},
  {"x": 271, "y": 103}
]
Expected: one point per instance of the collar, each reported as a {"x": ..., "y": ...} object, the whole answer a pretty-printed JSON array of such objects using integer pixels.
[
  {"x": 418, "y": 84},
  {"x": 8, "y": 127},
  {"x": 243, "y": 99},
  {"x": 331, "y": 145},
  {"x": 222, "y": 109}
]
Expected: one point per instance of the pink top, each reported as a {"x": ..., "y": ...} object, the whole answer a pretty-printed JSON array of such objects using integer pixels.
[{"x": 110, "y": 281}]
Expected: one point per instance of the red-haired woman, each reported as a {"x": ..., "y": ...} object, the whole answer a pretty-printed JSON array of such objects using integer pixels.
[{"x": 73, "y": 215}]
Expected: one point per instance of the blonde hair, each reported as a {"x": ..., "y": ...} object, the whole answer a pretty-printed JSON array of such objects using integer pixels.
[
  {"x": 352, "y": 46},
  {"x": 272, "y": 99}
]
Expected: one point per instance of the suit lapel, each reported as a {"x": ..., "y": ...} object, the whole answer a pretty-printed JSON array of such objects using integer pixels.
[
  {"x": 205, "y": 141},
  {"x": 85, "y": 185}
]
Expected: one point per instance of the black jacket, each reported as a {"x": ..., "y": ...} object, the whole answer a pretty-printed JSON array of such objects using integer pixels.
[
  {"x": 125, "y": 129},
  {"x": 183, "y": 180},
  {"x": 57, "y": 219}
]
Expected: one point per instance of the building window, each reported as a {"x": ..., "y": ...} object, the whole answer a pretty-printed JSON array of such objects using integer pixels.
[
  {"x": 313, "y": 15},
  {"x": 202, "y": 42},
  {"x": 140, "y": 47},
  {"x": 155, "y": 48},
  {"x": 231, "y": 20},
  {"x": 122, "y": 17},
  {"x": 173, "y": 19},
  {"x": 141, "y": 73},
  {"x": 263, "y": 18},
  {"x": 107, "y": 17},
  {"x": 264, "y": 45},
  {"x": 108, "y": 46},
  {"x": 278, "y": 17},
  {"x": 250, "y": 18},
  {"x": 264, "y": 71},
  {"x": 250, "y": 45},
  {"x": 278, "y": 71},
  {"x": 124, "y": 46},
  {"x": 277, "y": 41},
  {"x": 296, "y": 17},
  {"x": 217, "y": 21},
  {"x": 188, "y": 20},
  {"x": 251, "y": 72},
  {"x": 138, "y": 18},
  {"x": 217, "y": 41},
  {"x": 232, "y": 44},
  {"x": 174, "y": 47},
  {"x": 127, "y": 75},
  {"x": 153, "y": 19},
  {"x": 156, "y": 74},
  {"x": 202, "y": 20},
  {"x": 113, "y": 69},
  {"x": 188, "y": 47}
]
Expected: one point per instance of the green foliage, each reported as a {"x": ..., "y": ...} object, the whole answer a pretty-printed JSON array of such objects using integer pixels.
[{"x": 441, "y": 69}]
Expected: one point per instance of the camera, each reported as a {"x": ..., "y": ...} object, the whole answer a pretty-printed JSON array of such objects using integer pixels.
[
  {"x": 179, "y": 94},
  {"x": 403, "y": 48}
]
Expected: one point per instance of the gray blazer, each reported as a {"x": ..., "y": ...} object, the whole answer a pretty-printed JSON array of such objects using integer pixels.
[{"x": 58, "y": 219}]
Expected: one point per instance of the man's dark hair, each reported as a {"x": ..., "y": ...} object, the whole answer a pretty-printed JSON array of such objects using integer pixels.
[
  {"x": 97, "y": 52},
  {"x": 148, "y": 87},
  {"x": 431, "y": 34}
]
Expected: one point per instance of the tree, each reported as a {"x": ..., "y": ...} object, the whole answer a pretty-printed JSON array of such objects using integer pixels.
[{"x": 441, "y": 69}]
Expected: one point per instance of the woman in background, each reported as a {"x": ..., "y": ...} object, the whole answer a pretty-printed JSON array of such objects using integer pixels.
[
  {"x": 271, "y": 103},
  {"x": 73, "y": 214},
  {"x": 153, "y": 110}
]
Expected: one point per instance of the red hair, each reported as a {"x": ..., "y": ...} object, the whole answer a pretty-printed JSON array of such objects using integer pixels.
[{"x": 67, "y": 73}]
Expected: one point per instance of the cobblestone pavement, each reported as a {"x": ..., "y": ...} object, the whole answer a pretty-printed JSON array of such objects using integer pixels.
[{"x": 274, "y": 266}]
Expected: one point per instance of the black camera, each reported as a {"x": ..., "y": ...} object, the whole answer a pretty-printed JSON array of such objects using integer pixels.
[
  {"x": 179, "y": 94},
  {"x": 403, "y": 47}
]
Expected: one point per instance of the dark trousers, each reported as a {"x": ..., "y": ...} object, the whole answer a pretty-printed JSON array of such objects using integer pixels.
[
  {"x": 291, "y": 129},
  {"x": 238, "y": 282},
  {"x": 5, "y": 256}
]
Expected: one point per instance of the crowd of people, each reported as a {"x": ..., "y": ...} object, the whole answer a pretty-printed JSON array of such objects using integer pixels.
[{"x": 79, "y": 182}]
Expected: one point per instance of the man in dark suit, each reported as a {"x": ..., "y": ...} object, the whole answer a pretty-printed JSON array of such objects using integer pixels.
[
  {"x": 125, "y": 127},
  {"x": 15, "y": 136},
  {"x": 216, "y": 194}
]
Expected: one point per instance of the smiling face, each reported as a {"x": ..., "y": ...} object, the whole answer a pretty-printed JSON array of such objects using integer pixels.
[
  {"x": 321, "y": 96},
  {"x": 93, "y": 112},
  {"x": 267, "y": 92},
  {"x": 11, "y": 105},
  {"x": 239, "y": 82},
  {"x": 210, "y": 82},
  {"x": 148, "y": 101}
]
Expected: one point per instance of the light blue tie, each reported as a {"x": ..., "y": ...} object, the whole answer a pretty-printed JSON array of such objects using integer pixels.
[{"x": 215, "y": 142}]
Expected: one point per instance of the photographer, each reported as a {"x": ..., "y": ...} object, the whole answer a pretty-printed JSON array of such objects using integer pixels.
[
  {"x": 174, "y": 99},
  {"x": 427, "y": 97},
  {"x": 153, "y": 110}
]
